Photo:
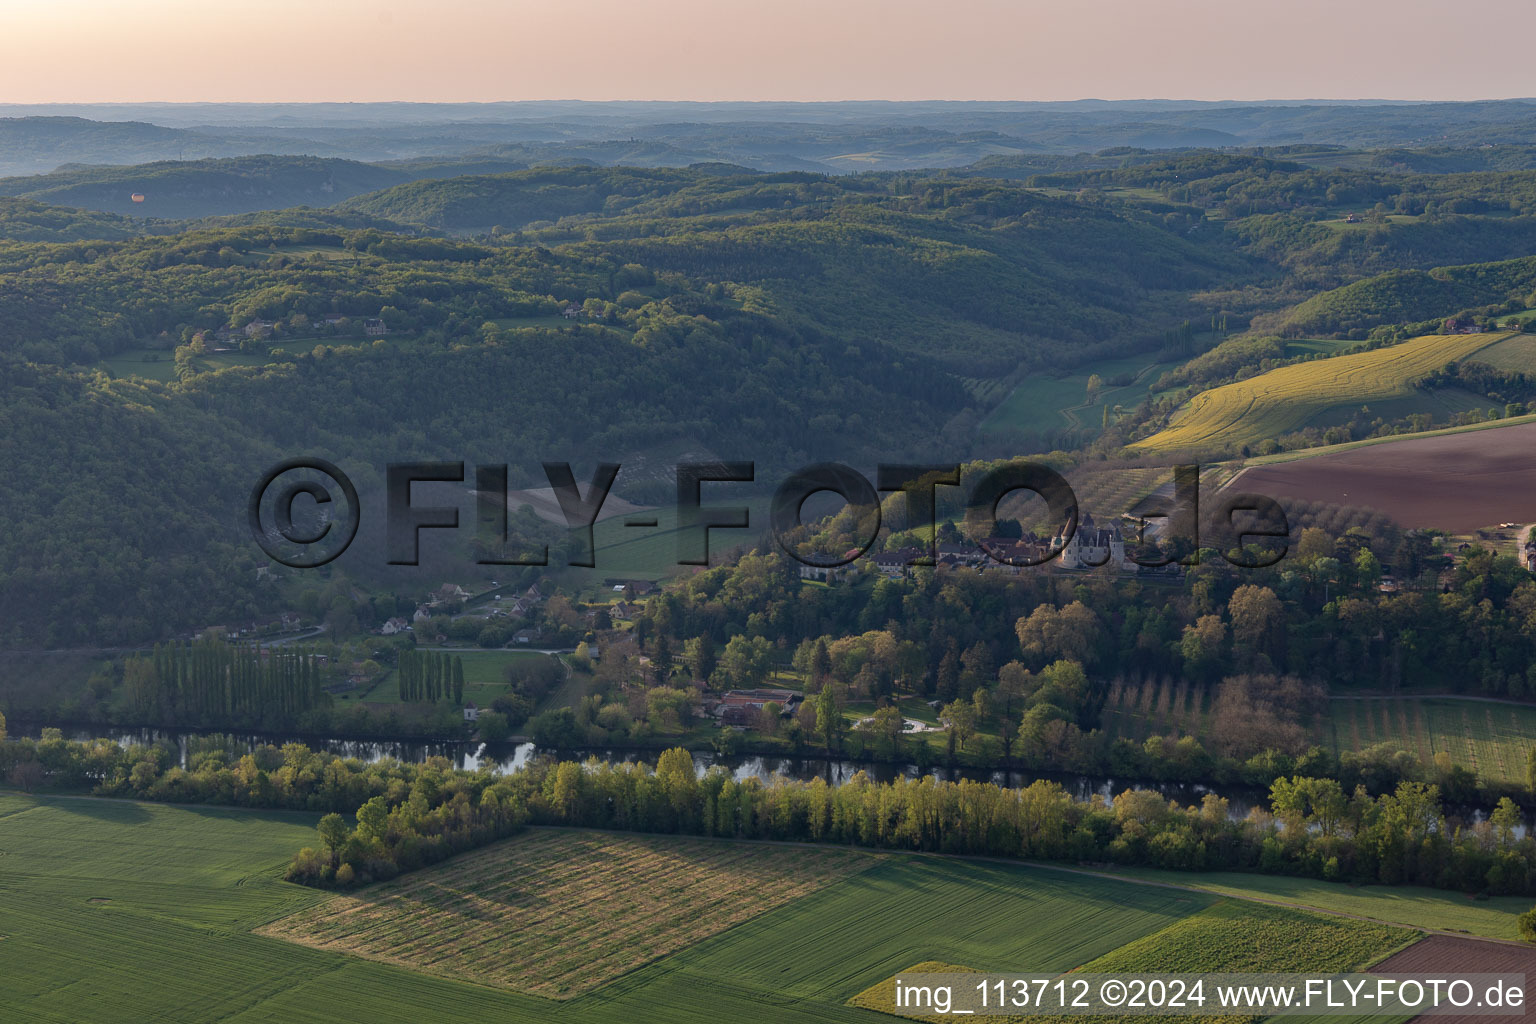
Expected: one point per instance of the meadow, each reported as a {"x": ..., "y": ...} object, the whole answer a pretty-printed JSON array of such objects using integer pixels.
[
  {"x": 1044, "y": 403},
  {"x": 651, "y": 552},
  {"x": 1302, "y": 394},
  {"x": 485, "y": 677},
  {"x": 1491, "y": 739}
]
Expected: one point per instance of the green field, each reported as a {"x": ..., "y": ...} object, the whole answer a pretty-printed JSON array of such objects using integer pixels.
[
  {"x": 1491, "y": 739},
  {"x": 1056, "y": 403},
  {"x": 645, "y": 552},
  {"x": 1516, "y": 353},
  {"x": 1225, "y": 937},
  {"x": 1304, "y": 394},
  {"x": 485, "y": 677},
  {"x": 133, "y": 912},
  {"x": 1407, "y": 905},
  {"x": 123, "y": 911},
  {"x": 149, "y": 364}
]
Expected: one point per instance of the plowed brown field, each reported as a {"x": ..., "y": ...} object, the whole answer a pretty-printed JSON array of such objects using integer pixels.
[{"x": 1455, "y": 482}]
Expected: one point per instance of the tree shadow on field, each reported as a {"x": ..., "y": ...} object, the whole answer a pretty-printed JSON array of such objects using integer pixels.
[
  {"x": 118, "y": 812},
  {"x": 269, "y": 815}
]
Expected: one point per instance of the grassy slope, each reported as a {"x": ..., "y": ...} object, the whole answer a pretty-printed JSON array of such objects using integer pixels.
[
  {"x": 1291, "y": 397},
  {"x": 1055, "y": 403},
  {"x": 1516, "y": 353}
]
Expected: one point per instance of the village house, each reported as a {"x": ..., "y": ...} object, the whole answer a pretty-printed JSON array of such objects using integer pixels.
[
  {"x": 895, "y": 563},
  {"x": 394, "y": 625},
  {"x": 822, "y": 572},
  {"x": 471, "y": 713},
  {"x": 373, "y": 327},
  {"x": 447, "y": 594},
  {"x": 1015, "y": 554},
  {"x": 744, "y": 708}
]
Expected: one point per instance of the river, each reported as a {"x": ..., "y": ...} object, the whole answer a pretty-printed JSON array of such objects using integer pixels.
[{"x": 513, "y": 757}]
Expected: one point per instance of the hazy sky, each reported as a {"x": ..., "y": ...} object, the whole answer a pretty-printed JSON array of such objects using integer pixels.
[{"x": 229, "y": 50}]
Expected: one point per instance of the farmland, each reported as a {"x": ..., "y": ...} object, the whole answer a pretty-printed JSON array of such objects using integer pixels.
[
  {"x": 485, "y": 677},
  {"x": 1441, "y": 954},
  {"x": 1452, "y": 481},
  {"x": 1516, "y": 354},
  {"x": 1106, "y": 493},
  {"x": 1159, "y": 706},
  {"x": 1243, "y": 937},
  {"x": 1491, "y": 739},
  {"x": 646, "y": 552},
  {"x": 1291, "y": 397},
  {"x": 1224, "y": 937},
  {"x": 557, "y": 913},
  {"x": 101, "y": 897},
  {"x": 1055, "y": 403},
  {"x": 1493, "y": 918}
]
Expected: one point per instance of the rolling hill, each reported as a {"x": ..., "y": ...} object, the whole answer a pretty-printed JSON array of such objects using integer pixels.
[
  {"x": 205, "y": 188},
  {"x": 986, "y": 277},
  {"x": 1299, "y": 395},
  {"x": 1408, "y": 296}
]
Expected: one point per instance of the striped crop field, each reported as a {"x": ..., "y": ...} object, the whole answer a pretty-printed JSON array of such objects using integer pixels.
[
  {"x": 1517, "y": 353},
  {"x": 557, "y": 913},
  {"x": 1492, "y": 740},
  {"x": 1290, "y": 397},
  {"x": 1225, "y": 937}
]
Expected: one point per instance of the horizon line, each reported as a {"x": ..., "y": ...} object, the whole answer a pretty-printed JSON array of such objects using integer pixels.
[{"x": 782, "y": 102}]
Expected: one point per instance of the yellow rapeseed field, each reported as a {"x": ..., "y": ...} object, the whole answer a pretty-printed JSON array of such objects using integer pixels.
[{"x": 1284, "y": 399}]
